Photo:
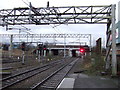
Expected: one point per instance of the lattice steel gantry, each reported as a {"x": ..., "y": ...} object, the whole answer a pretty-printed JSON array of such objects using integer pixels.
[
  {"x": 47, "y": 35},
  {"x": 104, "y": 14},
  {"x": 55, "y": 15}
]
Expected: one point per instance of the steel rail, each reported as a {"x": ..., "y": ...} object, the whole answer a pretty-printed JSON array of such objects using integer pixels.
[
  {"x": 41, "y": 85},
  {"x": 19, "y": 79}
]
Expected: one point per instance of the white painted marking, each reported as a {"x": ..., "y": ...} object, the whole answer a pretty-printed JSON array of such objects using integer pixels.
[{"x": 67, "y": 83}]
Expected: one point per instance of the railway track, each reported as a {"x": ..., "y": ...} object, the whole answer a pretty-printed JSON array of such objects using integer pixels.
[
  {"x": 10, "y": 61},
  {"x": 54, "y": 79},
  {"x": 14, "y": 79}
]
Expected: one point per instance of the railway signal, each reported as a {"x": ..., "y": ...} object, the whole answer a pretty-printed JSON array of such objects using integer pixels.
[
  {"x": 23, "y": 54},
  {"x": 44, "y": 47},
  {"x": 23, "y": 46},
  {"x": 40, "y": 48},
  {"x": 82, "y": 50}
]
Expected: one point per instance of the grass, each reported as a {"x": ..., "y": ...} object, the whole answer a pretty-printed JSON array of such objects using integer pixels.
[
  {"x": 94, "y": 64},
  {"x": 6, "y": 70}
]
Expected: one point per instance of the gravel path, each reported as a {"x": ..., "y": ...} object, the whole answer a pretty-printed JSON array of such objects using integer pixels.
[{"x": 76, "y": 68}]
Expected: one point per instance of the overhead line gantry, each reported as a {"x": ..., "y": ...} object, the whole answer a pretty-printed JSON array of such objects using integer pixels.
[{"x": 56, "y": 15}]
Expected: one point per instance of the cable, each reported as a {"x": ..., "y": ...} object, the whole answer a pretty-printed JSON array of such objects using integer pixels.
[
  {"x": 25, "y": 2},
  {"x": 55, "y": 29},
  {"x": 50, "y": 25},
  {"x": 59, "y": 30},
  {"x": 69, "y": 28},
  {"x": 25, "y": 28}
]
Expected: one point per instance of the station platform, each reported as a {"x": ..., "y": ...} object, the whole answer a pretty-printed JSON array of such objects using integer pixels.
[{"x": 82, "y": 81}]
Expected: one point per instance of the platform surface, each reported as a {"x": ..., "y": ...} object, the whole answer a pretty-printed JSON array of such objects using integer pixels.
[{"x": 82, "y": 81}]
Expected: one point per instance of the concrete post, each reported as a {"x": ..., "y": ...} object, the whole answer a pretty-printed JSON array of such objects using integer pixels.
[
  {"x": 37, "y": 52},
  {"x": 11, "y": 46},
  {"x": 107, "y": 62},
  {"x": 114, "y": 61},
  {"x": 23, "y": 57},
  {"x": 50, "y": 52},
  {"x": 64, "y": 46},
  {"x": 44, "y": 53},
  {"x": 90, "y": 43},
  {"x": 70, "y": 52},
  {"x": 39, "y": 56}
]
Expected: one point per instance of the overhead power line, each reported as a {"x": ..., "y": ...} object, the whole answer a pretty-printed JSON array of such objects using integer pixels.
[
  {"x": 25, "y": 2},
  {"x": 57, "y": 30}
]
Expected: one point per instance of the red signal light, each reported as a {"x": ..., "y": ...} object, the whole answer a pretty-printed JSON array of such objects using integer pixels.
[
  {"x": 82, "y": 50},
  {"x": 44, "y": 48}
]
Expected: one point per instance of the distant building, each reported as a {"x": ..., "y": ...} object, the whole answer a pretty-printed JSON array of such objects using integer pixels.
[
  {"x": 118, "y": 39},
  {"x": 118, "y": 28}
]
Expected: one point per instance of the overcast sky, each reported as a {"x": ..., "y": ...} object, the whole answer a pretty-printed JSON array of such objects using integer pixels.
[{"x": 97, "y": 31}]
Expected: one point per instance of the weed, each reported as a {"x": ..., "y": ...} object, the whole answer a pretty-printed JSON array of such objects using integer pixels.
[{"x": 94, "y": 64}]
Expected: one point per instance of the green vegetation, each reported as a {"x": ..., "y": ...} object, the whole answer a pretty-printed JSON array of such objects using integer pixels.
[
  {"x": 94, "y": 64},
  {"x": 6, "y": 70},
  {"x": 49, "y": 57}
]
